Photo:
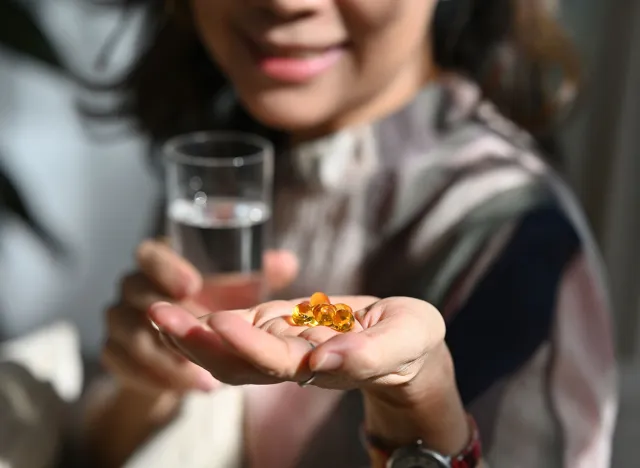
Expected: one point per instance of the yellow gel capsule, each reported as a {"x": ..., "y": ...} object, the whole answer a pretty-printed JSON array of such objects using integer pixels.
[
  {"x": 319, "y": 298},
  {"x": 303, "y": 315},
  {"x": 343, "y": 319},
  {"x": 323, "y": 314}
]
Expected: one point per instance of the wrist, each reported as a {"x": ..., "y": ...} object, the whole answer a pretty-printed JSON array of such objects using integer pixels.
[
  {"x": 433, "y": 378},
  {"x": 428, "y": 408},
  {"x": 417, "y": 454}
]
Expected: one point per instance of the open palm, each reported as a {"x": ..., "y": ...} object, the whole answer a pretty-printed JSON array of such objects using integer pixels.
[{"x": 389, "y": 341}]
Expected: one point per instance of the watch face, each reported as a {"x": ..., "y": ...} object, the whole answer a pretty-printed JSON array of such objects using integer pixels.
[{"x": 416, "y": 457}]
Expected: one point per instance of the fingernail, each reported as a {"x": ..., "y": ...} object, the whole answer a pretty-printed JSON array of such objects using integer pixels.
[
  {"x": 153, "y": 311},
  {"x": 329, "y": 362},
  {"x": 172, "y": 320},
  {"x": 156, "y": 310}
]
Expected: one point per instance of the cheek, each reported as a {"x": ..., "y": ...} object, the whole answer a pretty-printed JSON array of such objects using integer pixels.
[
  {"x": 211, "y": 20},
  {"x": 395, "y": 27},
  {"x": 390, "y": 39}
]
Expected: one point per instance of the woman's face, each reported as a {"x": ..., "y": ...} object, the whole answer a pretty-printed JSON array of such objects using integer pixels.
[{"x": 312, "y": 66}]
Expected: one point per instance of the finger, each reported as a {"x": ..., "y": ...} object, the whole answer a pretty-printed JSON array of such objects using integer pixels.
[
  {"x": 318, "y": 335},
  {"x": 281, "y": 327},
  {"x": 170, "y": 272},
  {"x": 215, "y": 354},
  {"x": 153, "y": 371},
  {"x": 406, "y": 330},
  {"x": 171, "y": 346},
  {"x": 174, "y": 320},
  {"x": 268, "y": 311},
  {"x": 280, "y": 268},
  {"x": 260, "y": 314},
  {"x": 206, "y": 348},
  {"x": 140, "y": 293},
  {"x": 123, "y": 321},
  {"x": 281, "y": 357},
  {"x": 132, "y": 374},
  {"x": 130, "y": 333}
]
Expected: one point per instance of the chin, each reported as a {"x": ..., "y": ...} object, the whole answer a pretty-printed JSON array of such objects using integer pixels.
[{"x": 289, "y": 112}]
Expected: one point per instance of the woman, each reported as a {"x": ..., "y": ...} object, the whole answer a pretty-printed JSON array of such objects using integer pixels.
[{"x": 396, "y": 177}]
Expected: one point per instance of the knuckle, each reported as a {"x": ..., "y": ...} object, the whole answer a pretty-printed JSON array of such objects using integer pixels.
[
  {"x": 135, "y": 288},
  {"x": 112, "y": 318},
  {"x": 123, "y": 321},
  {"x": 128, "y": 366},
  {"x": 143, "y": 346},
  {"x": 367, "y": 364},
  {"x": 367, "y": 358},
  {"x": 145, "y": 250},
  {"x": 138, "y": 292},
  {"x": 109, "y": 359},
  {"x": 127, "y": 283},
  {"x": 280, "y": 374}
]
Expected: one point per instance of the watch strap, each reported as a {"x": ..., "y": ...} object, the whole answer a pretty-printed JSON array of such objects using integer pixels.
[{"x": 469, "y": 457}]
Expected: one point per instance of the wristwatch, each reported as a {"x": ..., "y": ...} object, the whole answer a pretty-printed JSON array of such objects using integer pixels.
[{"x": 418, "y": 456}]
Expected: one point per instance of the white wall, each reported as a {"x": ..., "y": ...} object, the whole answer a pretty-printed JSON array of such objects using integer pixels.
[{"x": 96, "y": 196}]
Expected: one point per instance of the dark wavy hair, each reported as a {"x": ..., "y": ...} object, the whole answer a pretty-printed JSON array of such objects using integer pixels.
[{"x": 513, "y": 49}]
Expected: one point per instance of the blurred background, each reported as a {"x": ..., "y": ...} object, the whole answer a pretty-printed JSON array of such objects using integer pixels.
[{"x": 92, "y": 189}]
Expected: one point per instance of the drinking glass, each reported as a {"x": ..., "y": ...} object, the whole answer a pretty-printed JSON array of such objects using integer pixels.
[{"x": 219, "y": 190}]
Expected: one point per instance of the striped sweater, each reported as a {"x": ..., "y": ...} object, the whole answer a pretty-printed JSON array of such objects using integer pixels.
[{"x": 448, "y": 202}]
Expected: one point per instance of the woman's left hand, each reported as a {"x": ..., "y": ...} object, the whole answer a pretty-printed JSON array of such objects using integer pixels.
[{"x": 391, "y": 343}]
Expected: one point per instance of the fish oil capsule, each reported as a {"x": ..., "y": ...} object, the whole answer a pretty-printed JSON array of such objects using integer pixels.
[
  {"x": 323, "y": 313},
  {"x": 343, "y": 319},
  {"x": 303, "y": 315},
  {"x": 319, "y": 298}
]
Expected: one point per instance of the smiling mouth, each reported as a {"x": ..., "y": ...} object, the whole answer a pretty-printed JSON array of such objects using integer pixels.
[
  {"x": 294, "y": 63},
  {"x": 293, "y": 51}
]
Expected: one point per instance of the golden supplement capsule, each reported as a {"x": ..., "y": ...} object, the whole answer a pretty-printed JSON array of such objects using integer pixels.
[
  {"x": 323, "y": 314},
  {"x": 303, "y": 315},
  {"x": 319, "y": 298},
  {"x": 343, "y": 319}
]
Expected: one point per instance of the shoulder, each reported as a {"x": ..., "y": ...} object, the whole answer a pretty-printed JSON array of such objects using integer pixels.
[{"x": 463, "y": 157}]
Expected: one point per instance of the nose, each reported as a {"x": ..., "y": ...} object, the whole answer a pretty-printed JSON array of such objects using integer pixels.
[{"x": 289, "y": 9}]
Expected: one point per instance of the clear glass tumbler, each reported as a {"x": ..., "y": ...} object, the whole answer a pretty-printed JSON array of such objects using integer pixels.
[{"x": 219, "y": 190}]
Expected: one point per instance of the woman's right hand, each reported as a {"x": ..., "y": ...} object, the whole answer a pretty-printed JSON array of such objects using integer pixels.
[{"x": 135, "y": 351}]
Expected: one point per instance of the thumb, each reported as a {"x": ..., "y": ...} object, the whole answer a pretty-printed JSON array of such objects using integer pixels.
[
  {"x": 398, "y": 331},
  {"x": 280, "y": 268}
]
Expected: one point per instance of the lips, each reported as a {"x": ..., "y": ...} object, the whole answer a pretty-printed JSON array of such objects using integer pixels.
[{"x": 294, "y": 63}]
